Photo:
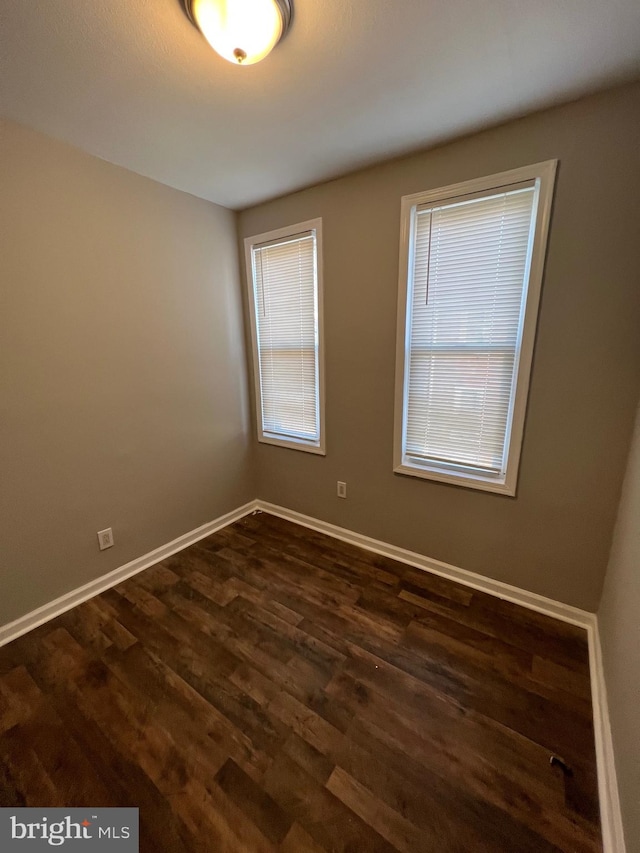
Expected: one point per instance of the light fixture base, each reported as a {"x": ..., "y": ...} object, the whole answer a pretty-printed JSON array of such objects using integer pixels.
[{"x": 285, "y": 7}]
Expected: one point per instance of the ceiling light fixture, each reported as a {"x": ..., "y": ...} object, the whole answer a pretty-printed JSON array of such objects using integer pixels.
[{"x": 242, "y": 31}]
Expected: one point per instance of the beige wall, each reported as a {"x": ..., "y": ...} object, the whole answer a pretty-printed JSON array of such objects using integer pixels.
[
  {"x": 554, "y": 537},
  {"x": 122, "y": 367},
  {"x": 619, "y": 621}
]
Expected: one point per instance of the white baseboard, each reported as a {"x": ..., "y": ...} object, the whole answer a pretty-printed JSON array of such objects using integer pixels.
[
  {"x": 54, "y": 608},
  {"x": 531, "y": 600},
  {"x": 608, "y": 794},
  {"x": 610, "y": 815}
]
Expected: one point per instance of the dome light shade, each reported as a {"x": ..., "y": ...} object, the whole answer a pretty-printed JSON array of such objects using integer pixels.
[{"x": 242, "y": 31}]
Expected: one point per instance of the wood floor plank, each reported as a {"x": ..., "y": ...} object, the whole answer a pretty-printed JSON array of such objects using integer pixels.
[
  {"x": 298, "y": 841},
  {"x": 324, "y": 816},
  {"x": 272, "y": 689},
  {"x": 257, "y": 805},
  {"x": 399, "y": 831}
]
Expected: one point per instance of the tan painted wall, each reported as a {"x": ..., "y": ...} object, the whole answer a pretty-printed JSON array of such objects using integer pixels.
[
  {"x": 619, "y": 621},
  {"x": 554, "y": 537},
  {"x": 122, "y": 367}
]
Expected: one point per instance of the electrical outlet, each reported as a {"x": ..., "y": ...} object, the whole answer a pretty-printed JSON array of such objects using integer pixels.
[
  {"x": 342, "y": 489},
  {"x": 105, "y": 538}
]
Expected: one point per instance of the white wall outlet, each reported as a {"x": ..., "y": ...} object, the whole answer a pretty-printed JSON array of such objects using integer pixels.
[
  {"x": 105, "y": 538},
  {"x": 342, "y": 489}
]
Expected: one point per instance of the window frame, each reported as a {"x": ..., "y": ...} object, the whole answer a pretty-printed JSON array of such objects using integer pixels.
[
  {"x": 544, "y": 176},
  {"x": 292, "y": 443}
]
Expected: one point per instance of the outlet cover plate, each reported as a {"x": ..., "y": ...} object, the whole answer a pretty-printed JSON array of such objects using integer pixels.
[{"x": 105, "y": 538}]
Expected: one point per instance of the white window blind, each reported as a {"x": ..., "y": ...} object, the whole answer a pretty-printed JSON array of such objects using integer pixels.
[
  {"x": 469, "y": 265},
  {"x": 286, "y": 328}
]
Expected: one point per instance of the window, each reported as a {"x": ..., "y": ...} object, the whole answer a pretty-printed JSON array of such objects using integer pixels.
[
  {"x": 471, "y": 266},
  {"x": 284, "y": 272}
]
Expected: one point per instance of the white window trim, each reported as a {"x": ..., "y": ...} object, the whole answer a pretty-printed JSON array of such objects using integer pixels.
[
  {"x": 544, "y": 175},
  {"x": 280, "y": 233}
]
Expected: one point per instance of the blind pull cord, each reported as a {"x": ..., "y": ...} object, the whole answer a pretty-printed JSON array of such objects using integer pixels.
[{"x": 426, "y": 295}]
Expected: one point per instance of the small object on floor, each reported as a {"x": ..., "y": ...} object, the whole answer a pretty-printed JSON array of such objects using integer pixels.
[{"x": 556, "y": 761}]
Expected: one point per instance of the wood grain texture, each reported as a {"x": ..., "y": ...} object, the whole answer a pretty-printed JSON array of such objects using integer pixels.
[{"x": 273, "y": 689}]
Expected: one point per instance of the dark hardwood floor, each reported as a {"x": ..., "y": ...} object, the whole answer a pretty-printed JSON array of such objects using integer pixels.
[{"x": 271, "y": 688}]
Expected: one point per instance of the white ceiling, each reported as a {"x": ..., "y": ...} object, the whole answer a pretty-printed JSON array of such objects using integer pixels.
[{"x": 353, "y": 82}]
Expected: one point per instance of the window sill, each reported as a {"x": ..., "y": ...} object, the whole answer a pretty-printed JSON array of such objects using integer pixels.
[
  {"x": 293, "y": 444},
  {"x": 467, "y": 481}
]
